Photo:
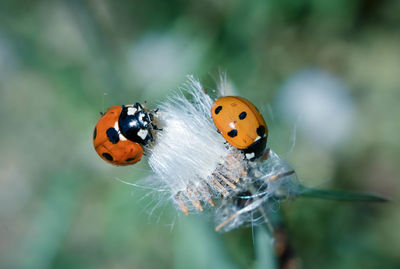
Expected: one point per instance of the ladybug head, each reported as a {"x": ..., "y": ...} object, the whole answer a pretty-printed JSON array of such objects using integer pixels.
[{"x": 135, "y": 124}]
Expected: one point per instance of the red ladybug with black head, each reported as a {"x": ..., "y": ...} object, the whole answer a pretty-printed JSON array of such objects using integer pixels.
[{"x": 121, "y": 133}]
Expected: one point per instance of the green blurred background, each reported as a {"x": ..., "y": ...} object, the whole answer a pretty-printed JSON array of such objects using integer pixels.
[{"x": 324, "y": 73}]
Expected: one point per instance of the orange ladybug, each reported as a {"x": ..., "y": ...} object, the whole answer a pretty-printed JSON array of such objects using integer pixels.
[
  {"x": 241, "y": 124},
  {"x": 121, "y": 132}
]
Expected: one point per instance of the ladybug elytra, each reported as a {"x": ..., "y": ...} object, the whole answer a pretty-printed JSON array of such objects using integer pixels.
[{"x": 241, "y": 124}]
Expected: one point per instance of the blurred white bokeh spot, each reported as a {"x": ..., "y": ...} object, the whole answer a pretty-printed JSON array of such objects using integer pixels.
[
  {"x": 320, "y": 106},
  {"x": 158, "y": 61}
]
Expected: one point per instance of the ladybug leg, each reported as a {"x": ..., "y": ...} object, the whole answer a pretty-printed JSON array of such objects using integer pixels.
[
  {"x": 150, "y": 118},
  {"x": 152, "y": 113},
  {"x": 138, "y": 105},
  {"x": 155, "y": 127},
  {"x": 149, "y": 136}
]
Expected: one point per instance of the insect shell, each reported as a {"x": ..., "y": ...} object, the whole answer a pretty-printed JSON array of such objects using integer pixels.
[
  {"x": 241, "y": 124},
  {"x": 121, "y": 133}
]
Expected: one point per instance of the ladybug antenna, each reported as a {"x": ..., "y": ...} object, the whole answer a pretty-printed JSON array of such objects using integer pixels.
[{"x": 102, "y": 111}]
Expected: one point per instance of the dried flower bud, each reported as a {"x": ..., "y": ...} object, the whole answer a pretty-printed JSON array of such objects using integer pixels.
[{"x": 192, "y": 160}]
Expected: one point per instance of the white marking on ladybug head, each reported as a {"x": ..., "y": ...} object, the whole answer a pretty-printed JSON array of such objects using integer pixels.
[
  {"x": 257, "y": 138},
  {"x": 116, "y": 126},
  {"x": 122, "y": 137},
  {"x": 250, "y": 155},
  {"x": 133, "y": 123},
  {"x": 131, "y": 111},
  {"x": 143, "y": 133},
  {"x": 141, "y": 116}
]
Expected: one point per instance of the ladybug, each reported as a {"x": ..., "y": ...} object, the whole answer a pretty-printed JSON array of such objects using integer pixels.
[
  {"x": 241, "y": 124},
  {"x": 121, "y": 133}
]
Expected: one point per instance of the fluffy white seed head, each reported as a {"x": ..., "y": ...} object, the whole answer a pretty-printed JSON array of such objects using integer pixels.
[
  {"x": 189, "y": 148},
  {"x": 196, "y": 166}
]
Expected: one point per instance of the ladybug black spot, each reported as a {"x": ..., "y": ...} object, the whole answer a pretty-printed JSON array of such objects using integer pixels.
[
  {"x": 112, "y": 135},
  {"x": 242, "y": 115},
  {"x": 130, "y": 159},
  {"x": 218, "y": 109},
  {"x": 261, "y": 130},
  {"x": 232, "y": 133},
  {"x": 108, "y": 156},
  {"x": 94, "y": 133}
]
